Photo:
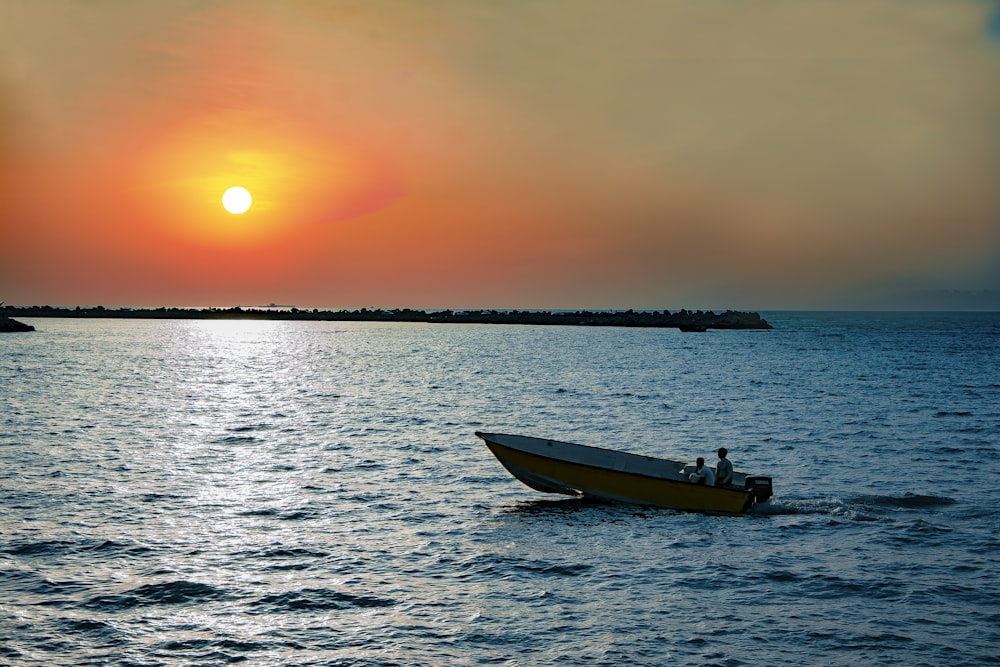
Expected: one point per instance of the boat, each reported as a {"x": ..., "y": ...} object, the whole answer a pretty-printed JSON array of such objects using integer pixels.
[{"x": 552, "y": 466}]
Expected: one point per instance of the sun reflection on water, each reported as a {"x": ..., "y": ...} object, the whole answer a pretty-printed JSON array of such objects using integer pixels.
[{"x": 231, "y": 397}]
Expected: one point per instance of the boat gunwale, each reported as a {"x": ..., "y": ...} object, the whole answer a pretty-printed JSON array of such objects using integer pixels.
[{"x": 617, "y": 453}]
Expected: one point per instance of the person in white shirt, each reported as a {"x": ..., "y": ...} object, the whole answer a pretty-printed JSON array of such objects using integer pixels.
[
  {"x": 724, "y": 469},
  {"x": 702, "y": 474}
]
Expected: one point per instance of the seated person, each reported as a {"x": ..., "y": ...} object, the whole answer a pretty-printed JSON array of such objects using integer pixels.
[{"x": 702, "y": 474}]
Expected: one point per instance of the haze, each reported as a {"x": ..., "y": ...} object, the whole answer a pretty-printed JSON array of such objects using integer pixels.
[{"x": 558, "y": 154}]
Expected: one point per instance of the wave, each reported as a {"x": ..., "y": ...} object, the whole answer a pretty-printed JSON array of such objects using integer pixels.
[
  {"x": 920, "y": 531},
  {"x": 9, "y": 652},
  {"x": 292, "y": 552},
  {"x": 600, "y": 508},
  {"x": 102, "y": 632},
  {"x": 315, "y": 599},
  {"x": 284, "y": 559},
  {"x": 155, "y": 497},
  {"x": 209, "y": 651},
  {"x": 236, "y": 440},
  {"x": 498, "y": 565},
  {"x": 121, "y": 548},
  {"x": 280, "y": 514},
  {"x": 300, "y": 515},
  {"x": 826, "y": 585},
  {"x": 250, "y": 427},
  {"x": 164, "y": 593},
  {"x": 270, "y": 511},
  {"x": 46, "y": 548},
  {"x": 41, "y": 548},
  {"x": 44, "y": 590}
]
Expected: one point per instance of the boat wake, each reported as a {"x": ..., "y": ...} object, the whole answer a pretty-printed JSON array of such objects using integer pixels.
[
  {"x": 857, "y": 508},
  {"x": 848, "y": 508},
  {"x": 907, "y": 501}
]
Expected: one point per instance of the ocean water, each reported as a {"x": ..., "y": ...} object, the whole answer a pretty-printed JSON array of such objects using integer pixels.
[{"x": 292, "y": 493}]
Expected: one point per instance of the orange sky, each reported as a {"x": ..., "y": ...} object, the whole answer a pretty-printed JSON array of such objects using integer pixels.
[{"x": 455, "y": 153}]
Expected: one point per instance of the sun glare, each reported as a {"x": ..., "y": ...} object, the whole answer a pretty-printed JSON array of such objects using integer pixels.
[{"x": 237, "y": 200}]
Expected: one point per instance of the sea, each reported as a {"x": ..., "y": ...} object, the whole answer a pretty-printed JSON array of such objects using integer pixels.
[{"x": 192, "y": 492}]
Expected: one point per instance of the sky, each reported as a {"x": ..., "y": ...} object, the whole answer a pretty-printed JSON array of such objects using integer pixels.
[{"x": 554, "y": 154}]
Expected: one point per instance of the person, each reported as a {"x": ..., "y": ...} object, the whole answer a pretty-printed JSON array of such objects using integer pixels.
[
  {"x": 724, "y": 469},
  {"x": 702, "y": 474}
]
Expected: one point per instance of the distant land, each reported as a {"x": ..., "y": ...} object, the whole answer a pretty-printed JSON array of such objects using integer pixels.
[{"x": 688, "y": 320}]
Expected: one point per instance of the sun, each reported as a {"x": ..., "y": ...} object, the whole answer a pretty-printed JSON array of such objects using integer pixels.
[{"x": 237, "y": 200}]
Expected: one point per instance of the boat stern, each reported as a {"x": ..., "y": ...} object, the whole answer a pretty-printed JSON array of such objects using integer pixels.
[{"x": 761, "y": 489}]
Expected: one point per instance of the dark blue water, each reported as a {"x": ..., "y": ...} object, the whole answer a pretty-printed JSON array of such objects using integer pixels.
[{"x": 206, "y": 493}]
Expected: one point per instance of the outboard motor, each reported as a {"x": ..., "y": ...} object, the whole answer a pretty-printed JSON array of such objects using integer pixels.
[{"x": 760, "y": 488}]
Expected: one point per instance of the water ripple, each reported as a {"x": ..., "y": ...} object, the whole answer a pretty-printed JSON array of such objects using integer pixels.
[
  {"x": 198, "y": 493},
  {"x": 315, "y": 599},
  {"x": 176, "y": 592}
]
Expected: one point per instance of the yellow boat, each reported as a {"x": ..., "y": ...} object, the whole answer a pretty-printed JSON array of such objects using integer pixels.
[{"x": 592, "y": 472}]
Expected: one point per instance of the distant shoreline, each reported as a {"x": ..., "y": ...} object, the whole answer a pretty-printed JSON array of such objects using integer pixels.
[{"x": 692, "y": 320}]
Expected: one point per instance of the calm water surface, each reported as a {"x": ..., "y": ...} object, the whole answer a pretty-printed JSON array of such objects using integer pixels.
[{"x": 264, "y": 493}]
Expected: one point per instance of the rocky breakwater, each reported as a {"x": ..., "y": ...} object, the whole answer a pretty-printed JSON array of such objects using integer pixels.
[{"x": 8, "y": 325}]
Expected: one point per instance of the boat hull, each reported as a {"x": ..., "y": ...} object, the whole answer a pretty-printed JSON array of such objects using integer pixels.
[{"x": 591, "y": 472}]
